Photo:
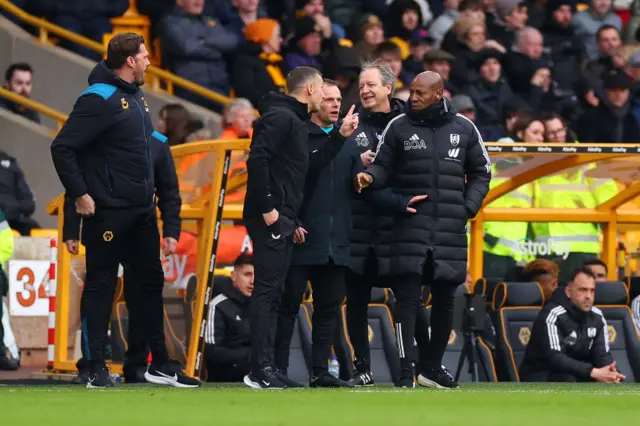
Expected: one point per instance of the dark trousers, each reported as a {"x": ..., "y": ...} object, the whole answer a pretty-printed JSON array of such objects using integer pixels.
[
  {"x": 327, "y": 282},
  {"x": 272, "y": 246},
  {"x": 91, "y": 28},
  {"x": 554, "y": 377},
  {"x": 131, "y": 237}
]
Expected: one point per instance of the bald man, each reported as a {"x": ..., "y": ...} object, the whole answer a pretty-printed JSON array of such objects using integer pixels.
[{"x": 429, "y": 150}]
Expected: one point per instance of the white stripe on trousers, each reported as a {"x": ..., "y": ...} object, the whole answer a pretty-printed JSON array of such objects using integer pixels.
[{"x": 399, "y": 341}]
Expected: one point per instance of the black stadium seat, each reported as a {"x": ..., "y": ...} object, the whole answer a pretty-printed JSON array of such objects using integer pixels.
[
  {"x": 487, "y": 287},
  {"x": 300, "y": 351},
  {"x": 516, "y": 306},
  {"x": 612, "y": 299}
]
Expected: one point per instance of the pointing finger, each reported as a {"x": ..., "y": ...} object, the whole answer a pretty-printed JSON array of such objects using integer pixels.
[
  {"x": 350, "y": 113},
  {"x": 411, "y": 210}
]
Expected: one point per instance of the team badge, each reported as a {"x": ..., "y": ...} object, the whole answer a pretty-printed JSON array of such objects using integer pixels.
[
  {"x": 107, "y": 236},
  {"x": 455, "y": 139},
  {"x": 125, "y": 104}
]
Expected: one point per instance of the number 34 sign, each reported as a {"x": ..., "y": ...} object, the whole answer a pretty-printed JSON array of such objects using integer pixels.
[{"x": 28, "y": 283}]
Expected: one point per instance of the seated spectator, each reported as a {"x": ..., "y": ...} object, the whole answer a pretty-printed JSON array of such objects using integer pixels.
[
  {"x": 87, "y": 18},
  {"x": 544, "y": 272},
  {"x": 569, "y": 341},
  {"x": 390, "y": 54},
  {"x": 511, "y": 17},
  {"x": 526, "y": 128},
  {"x": 403, "y": 94},
  {"x": 598, "y": 268},
  {"x": 469, "y": 9},
  {"x": 589, "y": 21},
  {"x": 6, "y": 251},
  {"x": 442, "y": 24},
  {"x": 471, "y": 38},
  {"x": 612, "y": 120},
  {"x": 403, "y": 19},
  {"x": 174, "y": 123},
  {"x": 556, "y": 129},
  {"x": 316, "y": 9},
  {"x": 421, "y": 43},
  {"x": 257, "y": 66},
  {"x": 369, "y": 38},
  {"x": 593, "y": 70},
  {"x": 311, "y": 45},
  {"x": 439, "y": 61},
  {"x": 490, "y": 93},
  {"x": 16, "y": 199},
  {"x": 18, "y": 78},
  {"x": 464, "y": 105},
  {"x": 346, "y": 68},
  {"x": 237, "y": 120},
  {"x": 227, "y": 345},
  {"x": 194, "y": 46},
  {"x": 241, "y": 14}
]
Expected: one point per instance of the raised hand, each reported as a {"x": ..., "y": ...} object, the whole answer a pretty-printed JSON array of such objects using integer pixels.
[{"x": 350, "y": 123}]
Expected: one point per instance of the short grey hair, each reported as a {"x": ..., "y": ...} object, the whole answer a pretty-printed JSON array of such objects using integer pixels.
[
  {"x": 523, "y": 33},
  {"x": 386, "y": 74},
  {"x": 232, "y": 108}
]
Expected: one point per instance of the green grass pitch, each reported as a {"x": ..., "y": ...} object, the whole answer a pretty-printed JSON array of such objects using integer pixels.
[{"x": 475, "y": 404}]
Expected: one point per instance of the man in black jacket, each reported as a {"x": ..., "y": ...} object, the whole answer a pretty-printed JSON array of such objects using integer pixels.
[
  {"x": 169, "y": 203},
  {"x": 570, "y": 340},
  {"x": 430, "y": 150},
  {"x": 16, "y": 199},
  {"x": 227, "y": 339},
  {"x": 102, "y": 153},
  {"x": 277, "y": 167}
]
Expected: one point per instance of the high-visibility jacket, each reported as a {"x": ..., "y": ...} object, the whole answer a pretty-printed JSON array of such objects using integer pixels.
[
  {"x": 6, "y": 244},
  {"x": 570, "y": 191},
  {"x": 508, "y": 234}
]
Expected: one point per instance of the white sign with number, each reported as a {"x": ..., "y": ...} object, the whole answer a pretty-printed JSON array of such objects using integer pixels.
[{"x": 28, "y": 284}]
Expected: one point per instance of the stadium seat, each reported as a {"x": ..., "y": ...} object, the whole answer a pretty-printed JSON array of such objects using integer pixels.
[
  {"x": 516, "y": 306},
  {"x": 300, "y": 349},
  {"x": 119, "y": 327},
  {"x": 40, "y": 232},
  {"x": 487, "y": 287},
  {"x": 612, "y": 298},
  {"x": 634, "y": 287}
]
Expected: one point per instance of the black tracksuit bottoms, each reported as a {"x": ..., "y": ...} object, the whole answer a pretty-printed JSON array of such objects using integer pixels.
[
  {"x": 131, "y": 237},
  {"x": 272, "y": 247},
  {"x": 327, "y": 283}
]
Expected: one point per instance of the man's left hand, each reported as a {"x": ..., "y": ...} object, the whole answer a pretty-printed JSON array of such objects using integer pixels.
[
  {"x": 414, "y": 200},
  {"x": 350, "y": 123},
  {"x": 169, "y": 245},
  {"x": 298, "y": 236}
]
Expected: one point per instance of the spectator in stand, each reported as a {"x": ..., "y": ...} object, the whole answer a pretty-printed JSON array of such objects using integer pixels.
[
  {"x": 347, "y": 70},
  {"x": 421, "y": 43},
  {"x": 18, "y": 78},
  {"x": 402, "y": 94},
  {"x": 16, "y": 199},
  {"x": 544, "y": 272},
  {"x": 174, "y": 123},
  {"x": 227, "y": 344},
  {"x": 257, "y": 66},
  {"x": 316, "y": 10},
  {"x": 390, "y": 54},
  {"x": 87, "y": 18},
  {"x": 370, "y": 37},
  {"x": 471, "y": 9},
  {"x": 526, "y": 128},
  {"x": 608, "y": 41},
  {"x": 403, "y": 19},
  {"x": 306, "y": 46},
  {"x": 194, "y": 46},
  {"x": 439, "y": 61},
  {"x": 6, "y": 251},
  {"x": 511, "y": 17},
  {"x": 556, "y": 129},
  {"x": 588, "y": 22},
  {"x": 464, "y": 105},
  {"x": 490, "y": 94},
  {"x": 598, "y": 268},
  {"x": 613, "y": 119},
  {"x": 240, "y": 15},
  {"x": 237, "y": 120},
  {"x": 442, "y": 24},
  {"x": 472, "y": 37}
]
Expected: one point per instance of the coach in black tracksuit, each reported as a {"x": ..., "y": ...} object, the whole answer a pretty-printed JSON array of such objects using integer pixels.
[
  {"x": 277, "y": 167},
  {"x": 103, "y": 158},
  {"x": 169, "y": 202},
  {"x": 570, "y": 340},
  {"x": 430, "y": 150}
]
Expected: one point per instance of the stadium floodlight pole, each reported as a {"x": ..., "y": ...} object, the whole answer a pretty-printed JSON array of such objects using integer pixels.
[{"x": 212, "y": 264}]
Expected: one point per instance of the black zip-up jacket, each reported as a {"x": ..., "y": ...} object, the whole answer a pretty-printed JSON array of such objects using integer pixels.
[
  {"x": 20, "y": 110},
  {"x": 431, "y": 152},
  {"x": 565, "y": 339},
  {"x": 16, "y": 198},
  {"x": 279, "y": 160},
  {"x": 326, "y": 209},
  {"x": 103, "y": 148},
  {"x": 227, "y": 339},
  {"x": 167, "y": 195}
]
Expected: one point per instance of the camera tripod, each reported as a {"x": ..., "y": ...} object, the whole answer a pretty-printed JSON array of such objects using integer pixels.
[{"x": 470, "y": 349}]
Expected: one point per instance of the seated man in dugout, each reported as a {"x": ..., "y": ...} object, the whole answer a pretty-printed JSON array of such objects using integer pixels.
[
  {"x": 599, "y": 269},
  {"x": 570, "y": 341},
  {"x": 227, "y": 345}
]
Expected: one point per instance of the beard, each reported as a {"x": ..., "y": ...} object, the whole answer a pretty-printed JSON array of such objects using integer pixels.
[{"x": 139, "y": 78}]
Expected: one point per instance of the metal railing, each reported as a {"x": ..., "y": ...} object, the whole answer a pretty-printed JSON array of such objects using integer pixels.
[{"x": 36, "y": 106}]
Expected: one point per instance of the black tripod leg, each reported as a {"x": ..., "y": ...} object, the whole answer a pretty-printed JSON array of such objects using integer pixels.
[
  {"x": 481, "y": 360},
  {"x": 463, "y": 356}
]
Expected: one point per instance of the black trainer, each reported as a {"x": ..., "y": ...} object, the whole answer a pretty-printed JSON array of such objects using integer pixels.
[
  {"x": 437, "y": 378},
  {"x": 405, "y": 382},
  {"x": 264, "y": 379},
  {"x": 134, "y": 374},
  {"x": 326, "y": 380},
  {"x": 361, "y": 378},
  {"x": 81, "y": 379},
  {"x": 100, "y": 378},
  {"x": 8, "y": 364},
  {"x": 282, "y": 376},
  {"x": 170, "y": 373}
]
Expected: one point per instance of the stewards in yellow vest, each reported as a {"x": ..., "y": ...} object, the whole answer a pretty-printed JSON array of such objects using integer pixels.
[
  {"x": 503, "y": 240},
  {"x": 569, "y": 244}
]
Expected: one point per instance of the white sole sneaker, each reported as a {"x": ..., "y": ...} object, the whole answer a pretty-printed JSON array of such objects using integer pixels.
[
  {"x": 423, "y": 381},
  {"x": 169, "y": 381},
  {"x": 254, "y": 385}
]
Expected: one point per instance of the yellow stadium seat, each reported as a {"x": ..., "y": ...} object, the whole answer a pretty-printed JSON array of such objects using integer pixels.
[
  {"x": 15, "y": 233},
  {"x": 44, "y": 232}
]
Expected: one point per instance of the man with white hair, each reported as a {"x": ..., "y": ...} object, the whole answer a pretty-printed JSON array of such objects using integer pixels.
[{"x": 237, "y": 120}]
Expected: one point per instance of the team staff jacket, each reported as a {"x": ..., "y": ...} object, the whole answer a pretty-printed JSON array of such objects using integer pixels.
[
  {"x": 104, "y": 147},
  {"x": 166, "y": 191},
  {"x": 431, "y": 152},
  {"x": 566, "y": 340},
  {"x": 227, "y": 339},
  {"x": 279, "y": 161}
]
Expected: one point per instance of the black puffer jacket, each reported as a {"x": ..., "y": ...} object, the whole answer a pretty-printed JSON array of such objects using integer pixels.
[
  {"x": 373, "y": 210},
  {"x": 430, "y": 152}
]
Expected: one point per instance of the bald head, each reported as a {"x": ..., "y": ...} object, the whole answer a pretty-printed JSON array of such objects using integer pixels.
[
  {"x": 426, "y": 89},
  {"x": 530, "y": 42}
]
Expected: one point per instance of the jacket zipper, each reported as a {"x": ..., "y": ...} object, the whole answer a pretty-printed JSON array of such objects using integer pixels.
[
  {"x": 106, "y": 167},
  {"x": 435, "y": 186},
  {"x": 146, "y": 151},
  {"x": 331, "y": 185}
]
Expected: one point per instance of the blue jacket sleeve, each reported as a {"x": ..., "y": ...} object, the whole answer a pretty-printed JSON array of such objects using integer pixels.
[
  {"x": 89, "y": 118},
  {"x": 169, "y": 201}
]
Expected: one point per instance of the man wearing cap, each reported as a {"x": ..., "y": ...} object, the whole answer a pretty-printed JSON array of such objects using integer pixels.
[
  {"x": 371, "y": 36},
  {"x": 440, "y": 61},
  {"x": 511, "y": 16},
  {"x": 464, "y": 105},
  {"x": 612, "y": 120},
  {"x": 309, "y": 44},
  {"x": 421, "y": 43}
]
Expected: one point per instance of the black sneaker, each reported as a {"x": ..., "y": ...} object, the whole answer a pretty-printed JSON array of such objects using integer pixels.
[
  {"x": 437, "y": 378},
  {"x": 100, "y": 378},
  {"x": 405, "y": 382},
  {"x": 81, "y": 379},
  {"x": 8, "y": 364},
  {"x": 264, "y": 379},
  {"x": 361, "y": 378},
  {"x": 282, "y": 376},
  {"x": 134, "y": 374},
  {"x": 170, "y": 373},
  {"x": 326, "y": 380}
]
